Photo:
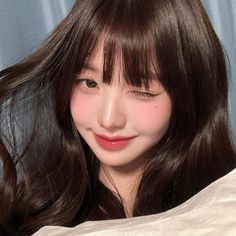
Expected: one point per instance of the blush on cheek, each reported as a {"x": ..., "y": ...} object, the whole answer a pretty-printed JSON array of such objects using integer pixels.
[
  {"x": 81, "y": 109},
  {"x": 152, "y": 119}
]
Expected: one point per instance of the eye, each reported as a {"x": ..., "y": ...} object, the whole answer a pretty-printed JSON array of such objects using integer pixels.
[
  {"x": 144, "y": 94},
  {"x": 86, "y": 85},
  {"x": 89, "y": 83}
]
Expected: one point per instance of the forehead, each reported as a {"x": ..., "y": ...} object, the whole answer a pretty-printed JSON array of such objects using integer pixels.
[
  {"x": 97, "y": 55},
  {"x": 96, "y": 61},
  {"x": 132, "y": 66}
]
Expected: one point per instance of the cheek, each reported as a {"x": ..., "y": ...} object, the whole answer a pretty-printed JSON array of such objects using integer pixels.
[
  {"x": 153, "y": 118},
  {"x": 81, "y": 109}
]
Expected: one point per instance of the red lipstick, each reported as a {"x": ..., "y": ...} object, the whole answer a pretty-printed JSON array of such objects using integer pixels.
[{"x": 113, "y": 143}]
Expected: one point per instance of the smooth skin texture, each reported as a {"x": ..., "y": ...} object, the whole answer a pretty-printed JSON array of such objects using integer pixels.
[{"x": 118, "y": 110}]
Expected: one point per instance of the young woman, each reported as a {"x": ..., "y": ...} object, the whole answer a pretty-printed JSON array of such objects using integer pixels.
[{"x": 122, "y": 112}]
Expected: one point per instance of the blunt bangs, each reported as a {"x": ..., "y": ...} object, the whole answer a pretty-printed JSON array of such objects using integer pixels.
[
  {"x": 128, "y": 36},
  {"x": 168, "y": 44},
  {"x": 135, "y": 56}
]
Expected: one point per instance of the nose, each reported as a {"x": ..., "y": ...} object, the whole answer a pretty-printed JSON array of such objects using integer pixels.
[{"x": 111, "y": 115}]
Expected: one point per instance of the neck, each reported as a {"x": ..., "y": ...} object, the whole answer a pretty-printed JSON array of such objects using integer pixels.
[{"x": 123, "y": 183}]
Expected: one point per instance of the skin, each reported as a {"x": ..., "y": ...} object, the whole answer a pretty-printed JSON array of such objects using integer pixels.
[{"x": 118, "y": 110}]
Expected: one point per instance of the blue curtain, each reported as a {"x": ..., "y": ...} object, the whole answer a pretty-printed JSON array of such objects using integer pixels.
[
  {"x": 223, "y": 17},
  {"x": 25, "y": 23}
]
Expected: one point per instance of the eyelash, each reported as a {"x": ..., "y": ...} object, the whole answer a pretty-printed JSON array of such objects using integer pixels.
[
  {"x": 136, "y": 93},
  {"x": 79, "y": 81},
  {"x": 143, "y": 94}
]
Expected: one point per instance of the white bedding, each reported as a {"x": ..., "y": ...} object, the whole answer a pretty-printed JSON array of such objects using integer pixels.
[{"x": 210, "y": 212}]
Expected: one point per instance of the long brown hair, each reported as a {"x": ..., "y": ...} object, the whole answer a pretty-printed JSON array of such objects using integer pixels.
[{"x": 50, "y": 175}]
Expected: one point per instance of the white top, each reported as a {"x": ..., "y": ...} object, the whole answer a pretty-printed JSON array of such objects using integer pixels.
[{"x": 210, "y": 212}]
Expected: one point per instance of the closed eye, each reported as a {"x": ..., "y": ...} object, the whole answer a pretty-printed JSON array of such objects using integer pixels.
[{"x": 144, "y": 94}]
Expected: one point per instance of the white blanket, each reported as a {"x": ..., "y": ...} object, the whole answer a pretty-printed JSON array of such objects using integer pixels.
[{"x": 210, "y": 212}]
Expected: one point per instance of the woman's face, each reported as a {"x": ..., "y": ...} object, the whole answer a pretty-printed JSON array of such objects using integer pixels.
[{"x": 118, "y": 122}]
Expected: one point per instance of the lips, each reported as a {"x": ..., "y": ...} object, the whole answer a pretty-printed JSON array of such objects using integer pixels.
[{"x": 113, "y": 143}]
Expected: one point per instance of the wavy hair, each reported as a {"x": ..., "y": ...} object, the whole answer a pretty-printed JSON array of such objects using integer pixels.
[{"x": 49, "y": 173}]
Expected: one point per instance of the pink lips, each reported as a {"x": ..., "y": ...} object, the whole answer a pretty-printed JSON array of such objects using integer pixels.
[{"x": 113, "y": 143}]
